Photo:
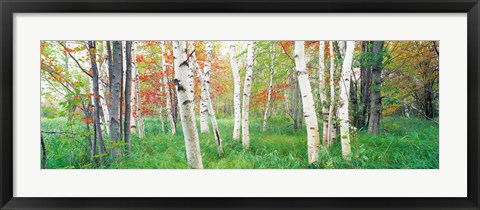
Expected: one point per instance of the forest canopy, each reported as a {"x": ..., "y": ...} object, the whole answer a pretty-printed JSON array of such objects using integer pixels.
[{"x": 239, "y": 104}]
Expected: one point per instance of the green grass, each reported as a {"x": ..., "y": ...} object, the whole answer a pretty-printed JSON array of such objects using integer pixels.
[{"x": 403, "y": 144}]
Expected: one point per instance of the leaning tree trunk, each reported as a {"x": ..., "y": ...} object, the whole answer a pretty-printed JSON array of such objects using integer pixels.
[
  {"x": 313, "y": 138},
  {"x": 167, "y": 91},
  {"x": 209, "y": 104},
  {"x": 247, "y": 89},
  {"x": 204, "y": 128},
  {"x": 332, "y": 96},
  {"x": 323, "y": 91},
  {"x": 185, "y": 101},
  {"x": 115, "y": 91},
  {"x": 269, "y": 95},
  {"x": 376, "y": 100},
  {"x": 344, "y": 100},
  {"x": 128, "y": 92},
  {"x": 236, "y": 92},
  {"x": 96, "y": 102}
]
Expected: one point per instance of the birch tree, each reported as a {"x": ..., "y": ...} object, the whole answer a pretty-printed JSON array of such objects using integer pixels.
[
  {"x": 236, "y": 92},
  {"x": 187, "y": 114},
  {"x": 344, "y": 100},
  {"x": 167, "y": 91},
  {"x": 208, "y": 100},
  {"x": 115, "y": 92},
  {"x": 313, "y": 138},
  {"x": 323, "y": 91},
  {"x": 247, "y": 88},
  {"x": 269, "y": 94},
  {"x": 133, "y": 95},
  {"x": 204, "y": 128},
  {"x": 140, "y": 128},
  {"x": 332, "y": 96}
]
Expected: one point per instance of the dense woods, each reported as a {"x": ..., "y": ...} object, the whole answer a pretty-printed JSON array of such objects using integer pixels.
[{"x": 239, "y": 104}]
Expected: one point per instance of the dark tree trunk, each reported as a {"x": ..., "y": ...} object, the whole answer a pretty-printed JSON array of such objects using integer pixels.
[
  {"x": 96, "y": 100},
  {"x": 121, "y": 92},
  {"x": 428, "y": 101},
  {"x": 44, "y": 153},
  {"x": 376, "y": 100},
  {"x": 128, "y": 92},
  {"x": 365, "y": 86},
  {"x": 354, "y": 103},
  {"x": 115, "y": 92}
]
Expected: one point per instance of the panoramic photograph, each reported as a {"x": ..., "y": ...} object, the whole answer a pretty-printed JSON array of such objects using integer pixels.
[{"x": 228, "y": 104}]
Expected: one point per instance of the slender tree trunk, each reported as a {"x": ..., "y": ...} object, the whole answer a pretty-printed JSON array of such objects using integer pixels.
[
  {"x": 365, "y": 86},
  {"x": 168, "y": 104},
  {"x": 128, "y": 92},
  {"x": 44, "y": 153},
  {"x": 247, "y": 88},
  {"x": 96, "y": 101},
  {"x": 269, "y": 96},
  {"x": 204, "y": 128},
  {"x": 376, "y": 100},
  {"x": 323, "y": 91},
  {"x": 133, "y": 95},
  {"x": 236, "y": 92},
  {"x": 332, "y": 96},
  {"x": 344, "y": 100},
  {"x": 187, "y": 114},
  {"x": 209, "y": 104},
  {"x": 140, "y": 128},
  {"x": 103, "y": 102},
  {"x": 122, "y": 87},
  {"x": 115, "y": 92},
  {"x": 313, "y": 137}
]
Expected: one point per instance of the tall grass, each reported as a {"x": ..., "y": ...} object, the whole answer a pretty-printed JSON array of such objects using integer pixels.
[{"x": 403, "y": 144}]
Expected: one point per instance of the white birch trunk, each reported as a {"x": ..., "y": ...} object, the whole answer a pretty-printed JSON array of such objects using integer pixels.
[
  {"x": 185, "y": 101},
  {"x": 269, "y": 96},
  {"x": 140, "y": 129},
  {"x": 103, "y": 102},
  {"x": 323, "y": 91},
  {"x": 204, "y": 128},
  {"x": 168, "y": 105},
  {"x": 247, "y": 88},
  {"x": 133, "y": 95},
  {"x": 332, "y": 95},
  {"x": 313, "y": 138},
  {"x": 344, "y": 100},
  {"x": 210, "y": 110},
  {"x": 236, "y": 92}
]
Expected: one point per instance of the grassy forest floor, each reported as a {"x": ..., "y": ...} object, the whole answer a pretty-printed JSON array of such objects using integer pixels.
[{"x": 403, "y": 144}]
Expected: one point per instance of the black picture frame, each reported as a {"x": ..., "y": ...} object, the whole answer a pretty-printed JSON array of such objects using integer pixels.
[{"x": 10, "y": 7}]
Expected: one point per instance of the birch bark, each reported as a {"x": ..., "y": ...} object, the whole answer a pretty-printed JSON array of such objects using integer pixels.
[
  {"x": 269, "y": 96},
  {"x": 140, "y": 129},
  {"x": 168, "y": 104},
  {"x": 247, "y": 88},
  {"x": 187, "y": 114},
  {"x": 236, "y": 92},
  {"x": 344, "y": 100},
  {"x": 313, "y": 138},
  {"x": 332, "y": 96},
  {"x": 204, "y": 128},
  {"x": 208, "y": 101},
  {"x": 323, "y": 91}
]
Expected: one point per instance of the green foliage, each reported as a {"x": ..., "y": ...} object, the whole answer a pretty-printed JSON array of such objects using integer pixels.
[{"x": 404, "y": 143}]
